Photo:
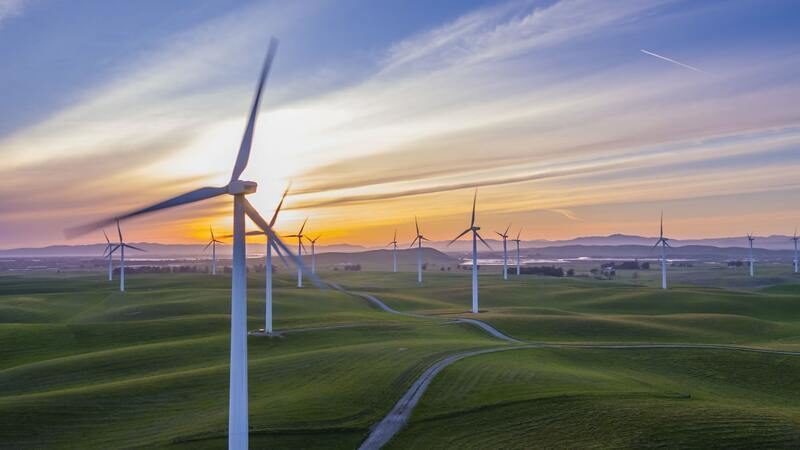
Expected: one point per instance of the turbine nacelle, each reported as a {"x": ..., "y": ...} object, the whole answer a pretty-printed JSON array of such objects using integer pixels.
[{"x": 237, "y": 187}]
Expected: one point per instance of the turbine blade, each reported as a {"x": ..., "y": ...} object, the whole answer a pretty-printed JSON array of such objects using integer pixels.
[
  {"x": 119, "y": 230},
  {"x": 280, "y": 254},
  {"x": 261, "y": 223},
  {"x": 133, "y": 247},
  {"x": 212, "y": 232},
  {"x": 416, "y": 223},
  {"x": 247, "y": 139},
  {"x": 661, "y": 232},
  {"x": 395, "y": 234},
  {"x": 507, "y": 228},
  {"x": 109, "y": 242},
  {"x": 208, "y": 245},
  {"x": 413, "y": 242},
  {"x": 518, "y": 233},
  {"x": 484, "y": 242},
  {"x": 300, "y": 233},
  {"x": 189, "y": 197},
  {"x": 456, "y": 238},
  {"x": 474, "y": 199},
  {"x": 278, "y": 209}
]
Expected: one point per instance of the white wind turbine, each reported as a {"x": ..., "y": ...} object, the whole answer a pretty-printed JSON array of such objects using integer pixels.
[
  {"x": 475, "y": 236},
  {"x": 664, "y": 244},
  {"x": 109, "y": 254},
  {"x": 517, "y": 241},
  {"x": 122, "y": 246},
  {"x": 750, "y": 238},
  {"x": 393, "y": 244},
  {"x": 796, "y": 260},
  {"x": 270, "y": 245},
  {"x": 504, "y": 235},
  {"x": 418, "y": 240},
  {"x": 313, "y": 252},
  {"x": 300, "y": 248},
  {"x": 213, "y": 244},
  {"x": 238, "y": 421}
]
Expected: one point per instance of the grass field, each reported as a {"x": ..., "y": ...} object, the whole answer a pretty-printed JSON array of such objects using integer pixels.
[{"x": 82, "y": 365}]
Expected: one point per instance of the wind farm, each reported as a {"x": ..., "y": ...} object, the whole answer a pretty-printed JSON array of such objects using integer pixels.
[{"x": 573, "y": 324}]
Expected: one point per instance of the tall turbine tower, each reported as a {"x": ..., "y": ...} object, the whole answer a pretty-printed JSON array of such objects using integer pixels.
[
  {"x": 517, "y": 241},
  {"x": 238, "y": 423},
  {"x": 418, "y": 240},
  {"x": 313, "y": 252},
  {"x": 300, "y": 248},
  {"x": 122, "y": 246},
  {"x": 213, "y": 243},
  {"x": 504, "y": 235},
  {"x": 796, "y": 260},
  {"x": 394, "y": 251},
  {"x": 270, "y": 245},
  {"x": 475, "y": 236},
  {"x": 750, "y": 238},
  {"x": 664, "y": 244},
  {"x": 108, "y": 253}
]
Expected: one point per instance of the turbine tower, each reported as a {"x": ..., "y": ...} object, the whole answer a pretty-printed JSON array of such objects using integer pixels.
[
  {"x": 752, "y": 261},
  {"x": 122, "y": 246},
  {"x": 504, "y": 235},
  {"x": 394, "y": 251},
  {"x": 475, "y": 236},
  {"x": 109, "y": 254},
  {"x": 418, "y": 240},
  {"x": 517, "y": 242},
  {"x": 238, "y": 423},
  {"x": 300, "y": 248},
  {"x": 664, "y": 244},
  {"x": 269, "y": 246},
  {"x": 796, "y": 260},
  {"x": 213, "y": 244},
  {"x": 313, "y": 253}
]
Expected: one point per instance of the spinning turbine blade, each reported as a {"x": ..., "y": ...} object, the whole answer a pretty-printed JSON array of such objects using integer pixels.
[
  {"x": 484, "y": 242},
  {"x": 278, "y": 209},
  {"x": 300, "y": 233},
  {"x": 416, "y": 223},
  {"x": 462, "y": 233},
  {"x": 413, "y": 242},
  {"x": 208, "y": 245},
  {"x": 474, "y": 200},
  {"x": 189, "y": 197},
  {"x": 132, "y": 247},
  {"x": 253, "y": 214},
  {"x": 119, "y": 230},
  {"x": 247, "y": 139},
  {"x": 505, "y": 233},
  {"x": 280, "y": 254}
]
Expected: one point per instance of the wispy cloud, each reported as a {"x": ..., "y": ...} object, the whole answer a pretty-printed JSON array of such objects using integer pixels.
[{"x": 11, "y": 8}]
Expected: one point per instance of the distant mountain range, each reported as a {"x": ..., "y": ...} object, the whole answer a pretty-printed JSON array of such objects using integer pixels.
[{"x": 613, "y": 245}]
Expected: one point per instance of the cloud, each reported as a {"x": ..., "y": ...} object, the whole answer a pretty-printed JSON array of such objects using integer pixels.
[{"x": 11, "y": 8}]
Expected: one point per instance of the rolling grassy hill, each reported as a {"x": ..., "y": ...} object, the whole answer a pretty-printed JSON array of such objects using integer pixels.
[{"x": 82, "y": 365}]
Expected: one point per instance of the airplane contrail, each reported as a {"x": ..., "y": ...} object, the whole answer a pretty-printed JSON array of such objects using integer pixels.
[{"x": 674, "y": 62}]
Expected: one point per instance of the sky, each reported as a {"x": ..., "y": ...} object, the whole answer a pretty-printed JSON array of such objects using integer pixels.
[{"x": 571, "y": 117}]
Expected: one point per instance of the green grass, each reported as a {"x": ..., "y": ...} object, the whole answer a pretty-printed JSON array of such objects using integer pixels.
[
  {"x": 82, "y": 365},
  {"x": 611, "y": 398}
]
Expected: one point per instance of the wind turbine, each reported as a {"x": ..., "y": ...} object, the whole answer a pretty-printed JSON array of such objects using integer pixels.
[
  {"x": 109, "y": 253},
  {"x": 517, "y": 242},
  {"x": 752, "y": 261},
  {"x": 504, "y": 235},
  {"x": 268, "y": 264},
  {"x": 122, "y": 246},
  {"x": 418, "y": 240},
  {"x": 238, "y": 421},
  {"x": 300, "y": 248},
  {"x": 213, "y": 243},
  {"x": 313, "y": 252},
  {"x": 796, "y": 260},
  {"x": 475, "y": 236},
  {"x": 394, "y": 251},
  {"x": 664, "y": 244}
]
